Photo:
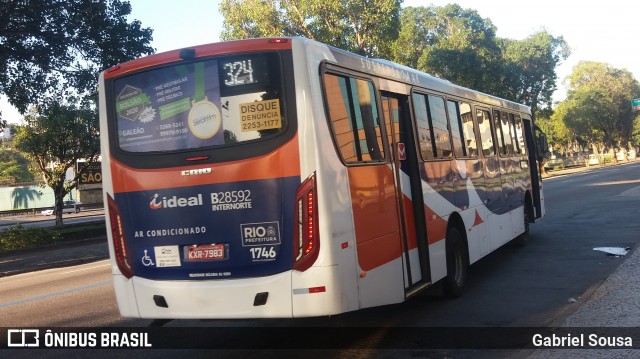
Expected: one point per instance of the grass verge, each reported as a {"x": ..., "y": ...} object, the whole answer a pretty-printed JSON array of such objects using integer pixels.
[{"x": 19, "y": 236}]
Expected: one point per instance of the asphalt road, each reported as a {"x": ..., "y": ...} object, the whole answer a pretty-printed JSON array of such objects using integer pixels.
[{"x": 538, "y": 285}]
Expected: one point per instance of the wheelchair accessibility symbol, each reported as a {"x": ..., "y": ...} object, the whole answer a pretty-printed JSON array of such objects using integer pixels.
[{"x": 146, "y": 260}]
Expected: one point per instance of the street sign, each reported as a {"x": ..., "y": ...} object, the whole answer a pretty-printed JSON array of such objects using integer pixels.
[{"x": 635, "y": 104}]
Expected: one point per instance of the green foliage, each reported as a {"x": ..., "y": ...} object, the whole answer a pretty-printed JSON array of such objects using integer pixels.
[
  {"x": 50, "y": 48},
  {"x": 559, "y": 136},
  {"x": 598, "y": 102},
  {"x": 82, "y": 231},
  {"x": 26, "y": 237},
  {"x": 415, "y": 35},
  {"x": 529, "y": 68},
  {"x": 459, "y": 45},
  {"x": 365, "y": 27},
  {"x": 450, "y": 42},
  {"x": 635, "y": 131},
  {"x": 55, "y": 138},
  {"x": 19, "y": 237},
  {"x": 14, "y": 167},
  {"x": 250, "y": 19}
]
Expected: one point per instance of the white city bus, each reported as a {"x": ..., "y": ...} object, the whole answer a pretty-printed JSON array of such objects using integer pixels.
[{"x": 287, "y": 178}]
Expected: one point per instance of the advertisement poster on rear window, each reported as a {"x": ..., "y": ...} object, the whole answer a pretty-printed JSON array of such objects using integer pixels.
[{"x": 171, "y": 108}]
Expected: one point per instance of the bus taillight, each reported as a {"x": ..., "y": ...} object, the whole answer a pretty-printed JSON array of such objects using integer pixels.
[
  {"x": 306, "y": 237},
  {"x": 119, "y": 242}
]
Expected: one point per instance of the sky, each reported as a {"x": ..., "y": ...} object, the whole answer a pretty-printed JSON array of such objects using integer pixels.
[{"x": 594, "y": 30}]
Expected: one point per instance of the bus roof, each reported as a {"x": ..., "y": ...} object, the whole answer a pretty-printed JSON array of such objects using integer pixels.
[
  {"x": 402, "y": 73},
  {"x": 377, "y": 67},
  {"x": 191, "y": 52}
]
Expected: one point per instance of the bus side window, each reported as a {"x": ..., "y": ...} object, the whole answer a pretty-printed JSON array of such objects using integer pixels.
[
  {"x": 457, "y": 133},
  {"x": 484, "y": 127},
  {"x": 354, "y": 117},
  {"x": 507, "y": 133},
  {"x": 500, "y": 139},
  {"x": 438, "y": 117},
  {"x": 468, "y": 133},
  {"x": 425, "y": 133},
  {"x": 519, "y": 134}
]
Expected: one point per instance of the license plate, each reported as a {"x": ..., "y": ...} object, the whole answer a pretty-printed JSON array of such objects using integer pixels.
[{"x": 206, "y": 252}]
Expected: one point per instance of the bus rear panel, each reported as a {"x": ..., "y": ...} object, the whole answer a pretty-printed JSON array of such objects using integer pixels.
[{"x": 204, "y": 182}]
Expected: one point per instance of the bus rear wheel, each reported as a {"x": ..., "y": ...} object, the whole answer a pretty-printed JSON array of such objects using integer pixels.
[{"x": 457, "y": 264}]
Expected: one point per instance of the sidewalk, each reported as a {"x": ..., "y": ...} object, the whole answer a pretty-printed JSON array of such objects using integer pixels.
[{"x": 615, "y": 304}]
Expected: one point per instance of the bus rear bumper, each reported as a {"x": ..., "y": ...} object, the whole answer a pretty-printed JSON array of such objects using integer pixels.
[{"x": 214, "y": 299}]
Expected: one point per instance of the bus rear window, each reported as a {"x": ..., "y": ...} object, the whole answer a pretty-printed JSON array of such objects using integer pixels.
[{"x": 215, "y": 102}]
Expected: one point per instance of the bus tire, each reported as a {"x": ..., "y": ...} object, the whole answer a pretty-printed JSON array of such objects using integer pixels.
[{"x": 457, "y": 264}]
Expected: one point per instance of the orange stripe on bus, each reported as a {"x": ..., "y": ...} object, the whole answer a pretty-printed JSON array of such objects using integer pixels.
[
  {"x": 283, "y": 162},
  {"x": 410, "y": 223},
  {"x": 375, "y": 214},
  {"x": 378, "y": 251},
  {"x": 436, "y": 226}
]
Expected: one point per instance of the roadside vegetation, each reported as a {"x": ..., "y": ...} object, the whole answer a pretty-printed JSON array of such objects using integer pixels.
[{"x": 21, "y": 237}]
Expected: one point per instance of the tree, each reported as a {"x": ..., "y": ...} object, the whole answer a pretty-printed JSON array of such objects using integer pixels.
[
  {"x": 529, "y": 68},
  {"x": 417, "y": 33},
  {"x": 599, "y": 104},
  {"x": 366, "y": 27},
  {"x": 635, "y": 132},
  {"x": 459, "y": 45},
  {"x": 55, "y": 137},
  {"x": 50, "y": 48},
  {"x": 449, "y": 42},
  {"x": 250, "y": 19},
  {"x": 560, "y": 137},
  {"x": 14, "y": 168}
]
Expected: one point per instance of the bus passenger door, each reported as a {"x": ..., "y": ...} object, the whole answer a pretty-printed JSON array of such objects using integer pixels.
[
  {"x": 536, "y": 182},
  {"x": 409, "y": 191}
]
